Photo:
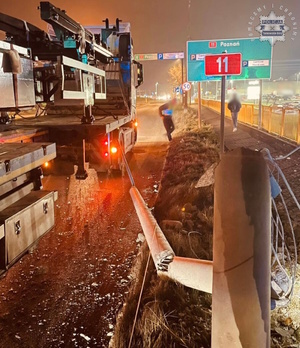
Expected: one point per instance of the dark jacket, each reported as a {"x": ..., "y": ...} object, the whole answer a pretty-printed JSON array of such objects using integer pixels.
[{"x": 234, "y": 105}]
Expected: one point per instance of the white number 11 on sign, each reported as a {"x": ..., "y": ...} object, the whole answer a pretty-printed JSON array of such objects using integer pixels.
[{"x": 225, "y": 61}]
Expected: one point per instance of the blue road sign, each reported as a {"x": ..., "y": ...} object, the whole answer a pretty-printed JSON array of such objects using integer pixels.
[
  {"x": 175, "y": 55},
  {"x": 160, "y": 56},
  {"x": 256, "y": 58}
]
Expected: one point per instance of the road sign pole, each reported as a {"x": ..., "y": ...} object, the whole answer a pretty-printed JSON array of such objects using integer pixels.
[
  {"x": 199, "y": 105},
  {"x": 222, "y": 114},
  {"x": 260, "y": 105}
]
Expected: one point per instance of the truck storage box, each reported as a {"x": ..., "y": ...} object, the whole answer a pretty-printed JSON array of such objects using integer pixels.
[{"x": 24, "y": 223}]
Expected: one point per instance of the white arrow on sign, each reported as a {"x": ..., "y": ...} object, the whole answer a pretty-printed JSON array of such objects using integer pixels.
[{"x": 186, "y": 86}]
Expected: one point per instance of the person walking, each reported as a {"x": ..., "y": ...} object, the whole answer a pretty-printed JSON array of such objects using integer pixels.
[
  {"x": 234, "y": 106},
  {"x": 166, "y": 113}
]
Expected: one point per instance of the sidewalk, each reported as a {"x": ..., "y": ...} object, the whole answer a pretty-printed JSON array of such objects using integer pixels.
[{"x": 256, "y": 140}]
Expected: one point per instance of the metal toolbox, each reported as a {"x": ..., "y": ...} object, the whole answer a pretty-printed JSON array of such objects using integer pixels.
[{"x": 24, "y": 223}]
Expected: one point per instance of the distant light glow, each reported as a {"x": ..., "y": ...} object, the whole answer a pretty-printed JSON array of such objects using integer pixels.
[{"x": 46, "y": 164}]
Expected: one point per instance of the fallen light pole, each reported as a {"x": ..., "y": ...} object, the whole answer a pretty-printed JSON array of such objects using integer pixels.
[
  {"x": 242, "y": 252},
  {"x": 194, "y": 273},
  {"x": 188, "y": 272},
  {"x": 239, "y": 275},
  {"x": 160, "y": 249}
]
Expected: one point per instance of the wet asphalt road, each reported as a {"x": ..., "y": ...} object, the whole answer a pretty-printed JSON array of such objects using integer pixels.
[{"x": 68, "y": 290}]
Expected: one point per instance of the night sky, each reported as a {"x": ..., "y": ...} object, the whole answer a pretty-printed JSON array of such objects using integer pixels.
[{"x": 166, "y": 25}]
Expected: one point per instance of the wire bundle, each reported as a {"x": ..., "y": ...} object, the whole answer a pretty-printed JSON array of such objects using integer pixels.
[{"x": 284, "y": 256}]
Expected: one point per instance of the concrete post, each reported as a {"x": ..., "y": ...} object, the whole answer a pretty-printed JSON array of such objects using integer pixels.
[{"x": 242, "y": 252}]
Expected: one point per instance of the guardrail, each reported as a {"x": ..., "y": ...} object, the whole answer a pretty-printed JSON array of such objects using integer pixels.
[{"x": 281, "y": 121}]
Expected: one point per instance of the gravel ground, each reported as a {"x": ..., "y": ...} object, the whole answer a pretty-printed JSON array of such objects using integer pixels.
[{"x": 67, "y": 291}]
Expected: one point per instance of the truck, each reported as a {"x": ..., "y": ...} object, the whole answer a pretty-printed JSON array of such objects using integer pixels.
[{"x": 68, "y": 98}]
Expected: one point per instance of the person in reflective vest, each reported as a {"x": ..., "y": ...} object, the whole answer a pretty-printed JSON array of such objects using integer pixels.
[
  {"x": 234, "y": 106},
  {"x": 166, "y": 113}
]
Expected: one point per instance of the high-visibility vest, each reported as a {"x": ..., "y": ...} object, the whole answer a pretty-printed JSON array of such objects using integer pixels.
[{"x": 167, "y": 112}]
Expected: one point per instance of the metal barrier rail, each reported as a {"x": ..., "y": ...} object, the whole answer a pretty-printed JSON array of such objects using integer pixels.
[{"x": 281, "y": 121}]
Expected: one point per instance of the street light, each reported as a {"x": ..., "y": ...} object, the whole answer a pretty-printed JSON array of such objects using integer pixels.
[{"x": 156, "y": 88}]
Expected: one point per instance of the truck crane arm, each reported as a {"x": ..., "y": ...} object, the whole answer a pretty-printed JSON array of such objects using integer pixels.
[
  {"x": 22, "y": 33},
  {"x": 68, "y": 30}
]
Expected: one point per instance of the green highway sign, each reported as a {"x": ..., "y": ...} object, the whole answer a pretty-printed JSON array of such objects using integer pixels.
[{"x": 256, "y": 58}]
